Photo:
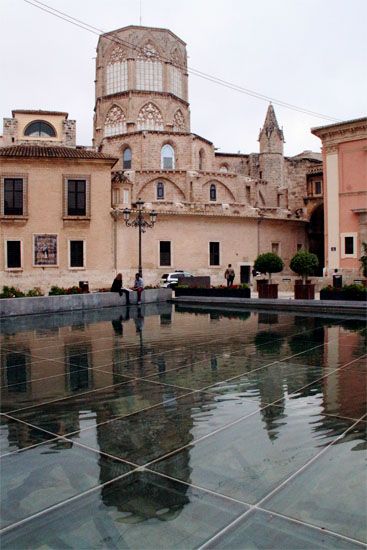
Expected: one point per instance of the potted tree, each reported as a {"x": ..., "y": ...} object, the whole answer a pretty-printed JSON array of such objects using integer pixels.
[
  {"x": 268, "y": 263},
  {"x": 304, "y": 264}
]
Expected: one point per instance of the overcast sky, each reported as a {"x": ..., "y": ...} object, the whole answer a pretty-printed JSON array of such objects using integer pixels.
[{"x": 310, "y": 53}]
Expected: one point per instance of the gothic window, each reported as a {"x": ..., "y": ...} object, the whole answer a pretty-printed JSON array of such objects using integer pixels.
[
  {"x": 115, "y": 122},
  {"x": 116, "y": 77},
  {"x": 160, "y": 190},
  {"x": 213, "y": 192},
  {"x": 149, "y": 70},
  {"x": 150, "y": 118},
  {"x": 178, "y": 122},
  {"x": 223, "y": 168},
  {"x": 167, "y": 157},
  {"x": 201, "y": 159},
  {"x": 126, "y": 159},
  {"x": 175, "y": 81},
  {"x": 39, "y": 128}
]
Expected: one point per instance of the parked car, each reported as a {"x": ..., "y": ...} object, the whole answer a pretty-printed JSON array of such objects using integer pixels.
[{"x": 170, "y": 280}]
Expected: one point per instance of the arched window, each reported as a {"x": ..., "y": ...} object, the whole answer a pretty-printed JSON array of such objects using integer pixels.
[
  {"x": 116, "y": 71},
  {"x": 150, "y": 118},
  {"x": 223, "y": 168},
  {"x": 126, "y": 159},
  {"x": 39, "y": 128},
  {"x": 149, "y": 69},
  {"x": 201, "y": 159},
  {"x": 160, "y": 190},
  {"x": 167, "y": 157},
  {"x": 115, "y": 122},
  {"x": 213, "y": 192}
]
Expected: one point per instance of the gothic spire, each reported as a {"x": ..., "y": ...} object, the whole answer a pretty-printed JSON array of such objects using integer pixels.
[{"x": 271, "y": 125}]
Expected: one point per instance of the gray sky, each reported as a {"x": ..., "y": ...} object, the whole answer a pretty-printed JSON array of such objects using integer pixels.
[{"x": 310, "y": 53}]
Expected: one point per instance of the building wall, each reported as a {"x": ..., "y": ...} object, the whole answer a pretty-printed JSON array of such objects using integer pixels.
[
  {"x": 46, "y": 216},
  {"x": 345, "y": 161}
]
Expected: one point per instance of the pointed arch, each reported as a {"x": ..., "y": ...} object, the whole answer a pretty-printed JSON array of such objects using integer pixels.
[
  {"x": 149, "y": 190},
  {"x": 149, "y": 68},
  {"x": 178, "y": 121},
  {"x": 117, "y": 71},
  {"x": 222, "y": 192},
  {"x": 167, "y": 157},
  {"x": 150, "y": 118},
  {"x": 115, "y": 122}
]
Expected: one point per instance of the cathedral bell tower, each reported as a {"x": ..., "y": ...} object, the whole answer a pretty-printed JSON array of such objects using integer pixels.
[{"x": 271, "y": 150}]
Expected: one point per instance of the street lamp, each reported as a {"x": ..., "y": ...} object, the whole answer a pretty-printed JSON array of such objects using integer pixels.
[{"x": 140, "y": 223}]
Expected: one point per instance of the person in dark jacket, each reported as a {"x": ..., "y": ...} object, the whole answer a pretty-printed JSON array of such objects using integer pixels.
[{"x": 117, "y": 287}]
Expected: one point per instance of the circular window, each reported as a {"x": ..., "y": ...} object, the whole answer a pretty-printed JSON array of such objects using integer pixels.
[{"x": 39, "y": 128}]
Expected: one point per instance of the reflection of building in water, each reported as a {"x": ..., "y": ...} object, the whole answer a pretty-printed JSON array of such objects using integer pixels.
[
  {"x": 143, "y": 496},
  {"x": 345, "y": 388}
]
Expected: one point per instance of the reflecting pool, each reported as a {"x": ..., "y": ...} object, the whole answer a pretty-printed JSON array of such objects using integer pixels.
[{"x": 182, "y": 427}]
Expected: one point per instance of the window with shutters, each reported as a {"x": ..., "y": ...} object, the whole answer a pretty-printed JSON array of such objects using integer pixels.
[
  {"x": 13, "y": 196},
  {"x": 76, "y": 197}
]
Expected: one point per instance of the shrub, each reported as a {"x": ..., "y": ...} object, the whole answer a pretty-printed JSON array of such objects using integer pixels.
[
  {"x": 36, "y": 291},
  {"x": 304, "y": 263},
  {"x": 11, "y": 292},
  {"x": 268, "y": 263},
  {"x": 349, "y": 292},
  {"x": 59, "y": 291}
]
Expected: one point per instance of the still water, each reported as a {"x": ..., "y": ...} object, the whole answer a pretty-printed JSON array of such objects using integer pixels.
[{"x": 160, "y": 427}]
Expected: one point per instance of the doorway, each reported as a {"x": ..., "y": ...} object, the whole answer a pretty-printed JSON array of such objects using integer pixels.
[{"x": 245, "y": 274}]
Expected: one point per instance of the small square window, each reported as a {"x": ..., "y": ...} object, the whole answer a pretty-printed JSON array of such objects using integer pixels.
[
  {"x": 214, "y": 254},
  {"x": 318, "y": 188},
  {"x": 13, "y": 255},
  {"x": 165, "y": 253},
  {"x": 76, "y": 253},
  {"x": 349, "y": 245}
]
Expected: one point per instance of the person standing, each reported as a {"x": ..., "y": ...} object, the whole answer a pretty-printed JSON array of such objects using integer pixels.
[
  {"x": 138, "y": 286},
  {"x": 229, "y": 275},
  {"x": 117, "y": 287}
]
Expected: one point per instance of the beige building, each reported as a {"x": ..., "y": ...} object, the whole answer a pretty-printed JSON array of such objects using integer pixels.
[
  {"x": 213, "y": 208},
  {"x": 55, "y": 203}
]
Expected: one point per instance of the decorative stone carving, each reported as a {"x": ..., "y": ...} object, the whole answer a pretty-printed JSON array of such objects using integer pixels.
[
  {"x": 150, "y": 118},
  {"x": 148, "y": 51},
  {"x": 178, "y": 122},
  {"x": 118, "y": 54},
  {"x": 114, "y": 116},
  {"x": 176, "y": 57},
  {"x": 115, "y": 122}
]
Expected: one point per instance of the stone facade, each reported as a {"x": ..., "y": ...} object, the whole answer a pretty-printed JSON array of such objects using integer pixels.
[
  {"x": 213, "y": 208},
  {"x": 344, "y": 147},
  {"x": 247, "y": 203}
]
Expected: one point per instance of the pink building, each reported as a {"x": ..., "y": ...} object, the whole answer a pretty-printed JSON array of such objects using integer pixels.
[{"x": 344, "y": 147}]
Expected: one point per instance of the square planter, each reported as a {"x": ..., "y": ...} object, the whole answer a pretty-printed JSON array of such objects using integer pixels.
[
  {"x": 269, "y": 291},
  {"x": 260, "y": 282},
  {"x": 214, "y": 292},
  {"x": 304, "y": 292}
]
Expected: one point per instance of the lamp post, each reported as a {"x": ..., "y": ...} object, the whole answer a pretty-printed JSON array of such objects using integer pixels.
[{"x": 140, "y": 223}]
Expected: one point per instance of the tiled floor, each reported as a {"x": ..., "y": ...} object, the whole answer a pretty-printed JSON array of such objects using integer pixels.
[{"x": 155, "y": 428}]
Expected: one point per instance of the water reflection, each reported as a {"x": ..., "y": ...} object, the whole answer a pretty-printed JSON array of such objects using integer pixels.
[{"x": 144, "y": 385}]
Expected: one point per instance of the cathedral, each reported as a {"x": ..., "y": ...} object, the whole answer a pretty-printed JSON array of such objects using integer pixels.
[{"x": 212, "y": 208}]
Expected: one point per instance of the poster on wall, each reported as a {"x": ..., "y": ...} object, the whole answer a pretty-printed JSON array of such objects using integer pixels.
[{"x": 45, "y": 250}]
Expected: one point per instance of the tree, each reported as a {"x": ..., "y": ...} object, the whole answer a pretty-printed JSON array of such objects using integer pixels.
[
  {"x": 304, "y": 264},
  {"x": 268, "y": 263},
  {"x": 363, "y": 260}
]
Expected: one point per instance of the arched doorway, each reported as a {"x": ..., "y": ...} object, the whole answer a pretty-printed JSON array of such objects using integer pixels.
[{"x": 316, "y": 236}]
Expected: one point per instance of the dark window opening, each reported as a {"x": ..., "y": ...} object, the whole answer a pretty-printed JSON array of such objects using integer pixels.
[
  {"x": 16, "y": 372},
  {"x": 13, "y": 196},
  {"x": 76, "y": 254},
  {"x": 13, "y": 254},
  {"x": 213, "y": 192},
  {"x": 349, "y": 245},
  {"x": 318, "y": 188},
  {"x": 160, "y": 190},
  {"x": 127, "y": 159},
  {"x": 214, "y": 253},
  {"x": 76, "y": 198},
  {"x": 39, "y": 128},
  {"x": 165, "y": 253}
]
